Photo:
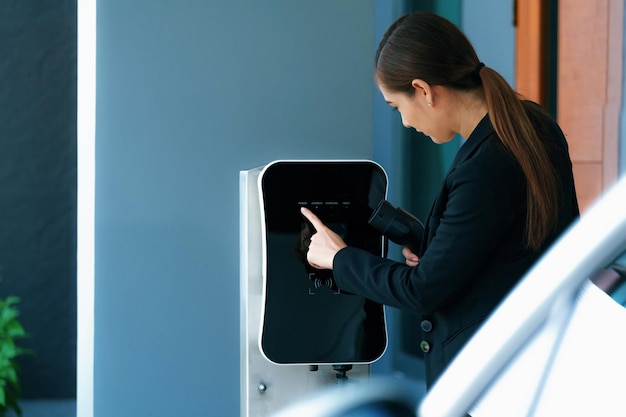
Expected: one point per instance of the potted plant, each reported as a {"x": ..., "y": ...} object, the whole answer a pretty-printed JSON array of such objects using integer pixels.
[{"x": 10, "y": 330}]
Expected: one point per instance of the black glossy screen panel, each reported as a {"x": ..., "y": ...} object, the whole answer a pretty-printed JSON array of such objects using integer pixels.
[{"x": 306, "y": 319}]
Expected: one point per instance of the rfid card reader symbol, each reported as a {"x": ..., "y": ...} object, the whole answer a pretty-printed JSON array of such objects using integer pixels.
[{"x": 326, "y": 282}]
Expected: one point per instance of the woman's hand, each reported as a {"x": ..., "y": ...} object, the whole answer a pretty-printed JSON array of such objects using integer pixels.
[
  {"x": 411, "y": 258},
  {"x": 324, "y": 243}
]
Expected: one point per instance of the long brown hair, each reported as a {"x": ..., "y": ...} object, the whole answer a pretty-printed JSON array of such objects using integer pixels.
[{"x": 425, "y": 46}]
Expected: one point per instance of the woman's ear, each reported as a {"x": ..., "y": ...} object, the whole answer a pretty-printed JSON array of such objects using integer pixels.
[{"x": 423, "y": 90}]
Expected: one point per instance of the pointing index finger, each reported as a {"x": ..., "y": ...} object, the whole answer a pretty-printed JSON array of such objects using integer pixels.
[{"x": 315, "y": 221}]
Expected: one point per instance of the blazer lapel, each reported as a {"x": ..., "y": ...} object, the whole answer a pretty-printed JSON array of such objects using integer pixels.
[{"x": 483, "y": 130}]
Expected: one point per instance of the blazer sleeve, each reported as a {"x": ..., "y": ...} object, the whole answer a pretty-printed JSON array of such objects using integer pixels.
[{"x": 471, "y": 218}]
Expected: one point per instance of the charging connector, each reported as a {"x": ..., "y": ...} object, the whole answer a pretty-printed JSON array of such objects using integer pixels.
[{"x": 398, "y": 225}]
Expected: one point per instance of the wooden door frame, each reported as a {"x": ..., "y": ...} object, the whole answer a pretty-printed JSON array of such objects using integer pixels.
[
  {"x": 531, "y": 41},
  {"x": 589, "y": 81}
]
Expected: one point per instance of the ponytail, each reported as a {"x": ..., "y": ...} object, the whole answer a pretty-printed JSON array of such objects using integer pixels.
[{"x": 513, "y": 127}]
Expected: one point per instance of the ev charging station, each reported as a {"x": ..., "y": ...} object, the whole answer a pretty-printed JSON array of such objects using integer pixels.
[{"x": 299, "y": 332}]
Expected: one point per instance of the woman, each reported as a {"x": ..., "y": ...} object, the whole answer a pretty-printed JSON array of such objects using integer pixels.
[{"x": 507, "y": 196}]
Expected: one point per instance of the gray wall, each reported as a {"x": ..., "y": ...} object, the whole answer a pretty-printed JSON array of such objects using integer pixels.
[
  {"x": 494, "y": 42},
  {"x": 188, "y": 94}
]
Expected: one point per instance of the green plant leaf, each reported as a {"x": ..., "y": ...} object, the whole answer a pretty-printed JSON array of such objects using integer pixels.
[
  {"x": 10, "y": 330},
  {"x": 15, "y": 330}
]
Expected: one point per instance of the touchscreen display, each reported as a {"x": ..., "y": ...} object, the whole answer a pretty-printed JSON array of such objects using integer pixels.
[{"x": 306, "y": 318}]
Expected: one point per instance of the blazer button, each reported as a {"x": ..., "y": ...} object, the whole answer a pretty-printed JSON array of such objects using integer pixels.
[
  {"x": 426, "y": 325},
  {"x": 425, "y": 346}
]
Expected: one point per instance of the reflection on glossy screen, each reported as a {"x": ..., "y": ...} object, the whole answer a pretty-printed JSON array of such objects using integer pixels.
[{"x": 306, "y": 318}]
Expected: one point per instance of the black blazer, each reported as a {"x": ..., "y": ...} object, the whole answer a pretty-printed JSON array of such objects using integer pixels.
[{"x": 473, "y": 250}]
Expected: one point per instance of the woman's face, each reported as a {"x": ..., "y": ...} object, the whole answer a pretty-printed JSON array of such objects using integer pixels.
[{"x": 419, "y": 111}]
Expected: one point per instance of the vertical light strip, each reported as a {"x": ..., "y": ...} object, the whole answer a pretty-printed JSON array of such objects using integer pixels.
[{"x": 86, "y": 132}]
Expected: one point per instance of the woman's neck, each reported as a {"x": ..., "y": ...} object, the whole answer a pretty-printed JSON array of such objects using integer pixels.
[{"x": 471, "y": 110}]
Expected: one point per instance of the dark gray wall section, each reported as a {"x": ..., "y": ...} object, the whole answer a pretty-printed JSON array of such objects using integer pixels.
[
  {"x": 188, "y": 94},
  {"x": 38, "y": 186}
]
